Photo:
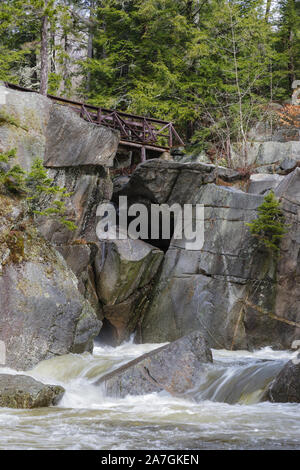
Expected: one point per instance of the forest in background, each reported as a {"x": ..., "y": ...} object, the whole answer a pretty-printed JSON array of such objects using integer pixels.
[{"x": 210, "y": 66}]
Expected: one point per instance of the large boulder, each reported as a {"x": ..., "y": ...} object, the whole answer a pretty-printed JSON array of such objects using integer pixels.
[
  {"x": 21, "y": 391},
  {"x": 38, "y": 127},
  {"x": 72, "y": 141},
  {"x": 124, "y": 272},
  {"x": 286, "y": 386},
  {"x": 128, "y": 265},
  {"x": 154, "y": 180},
  {"x": 176, "y": 368},
  {"x": 42, "y": 313}
]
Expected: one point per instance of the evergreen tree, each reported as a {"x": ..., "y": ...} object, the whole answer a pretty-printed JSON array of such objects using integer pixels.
[
  {"x": 269, "y": 227},
  {"x": 34, "y": 186},
  {"x": 15, "y": 39},
  {"x": 207, "y": 66},
  {"x": 289, "y": 42}
]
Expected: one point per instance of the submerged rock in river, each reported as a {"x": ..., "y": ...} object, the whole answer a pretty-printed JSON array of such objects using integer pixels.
[
  {"x": 176, "y": 368},
  {"x": 21, "y": 391}
]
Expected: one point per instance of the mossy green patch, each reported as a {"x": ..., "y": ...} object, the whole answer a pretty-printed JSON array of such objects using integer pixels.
[{"x": 10, "y": 119}]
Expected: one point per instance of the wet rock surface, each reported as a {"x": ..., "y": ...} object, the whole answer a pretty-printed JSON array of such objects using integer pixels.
[
  {"x": 286, "y": 386},
  {"x": 21, "y": 391},
  {"x": 175, "y": 368}
]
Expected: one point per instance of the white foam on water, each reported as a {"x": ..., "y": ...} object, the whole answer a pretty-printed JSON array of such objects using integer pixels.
[{"x": 87, "y": 419}]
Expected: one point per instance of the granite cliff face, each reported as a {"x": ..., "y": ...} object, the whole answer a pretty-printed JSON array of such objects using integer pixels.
[
  {"x": 45, "y": 309},
  {"x": 229, "y": 290}
]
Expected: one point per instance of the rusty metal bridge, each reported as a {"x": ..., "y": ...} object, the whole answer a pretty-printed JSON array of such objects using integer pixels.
[{"x": 137, "y": 132}]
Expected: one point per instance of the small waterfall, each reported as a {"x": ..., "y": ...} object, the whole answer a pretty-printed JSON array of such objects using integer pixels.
[
  {"x": 237, "y": 377},
  {"x": 224, "y": 411},
  {"x": 244, "y": 383}
]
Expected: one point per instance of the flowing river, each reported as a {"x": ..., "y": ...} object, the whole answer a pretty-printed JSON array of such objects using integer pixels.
[{"x": 224, "y": 412}]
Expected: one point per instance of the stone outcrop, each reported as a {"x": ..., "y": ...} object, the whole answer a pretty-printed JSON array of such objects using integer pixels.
[
  {"x": 78, "y": 155},
  {"x": 21, "y": 391},
  {"x": 237, "y": 295},
  {"x": 287, "y": 302},
  {"x": 273, "y": 144},
  {"x": 123, "y": 278},
  {"x": 71, "y": 141},
  {"x": 42, "y": 312},
  {"x": 37, "y": 127},
  {"x": 262, "y": 183},
  {"x": 176, "y": 368},
  {"x": 114, "y": 277},
  {"x": 229, "y": 289},
  {"x": 286, "y": 386}
]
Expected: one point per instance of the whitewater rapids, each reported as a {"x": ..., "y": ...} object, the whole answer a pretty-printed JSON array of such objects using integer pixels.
[{"x": 224, "y": 412}]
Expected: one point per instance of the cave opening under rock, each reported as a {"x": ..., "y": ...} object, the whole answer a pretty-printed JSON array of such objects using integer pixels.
[
  {"x": 107, "y": 335},
  {"x": 158, "y": 241}
]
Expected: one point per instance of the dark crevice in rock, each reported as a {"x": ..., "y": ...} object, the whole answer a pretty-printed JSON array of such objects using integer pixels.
[
  {"x": 160, "y": 242},
  {"x": 108, "y": 334},
  {"x": 147, "y": 374}
]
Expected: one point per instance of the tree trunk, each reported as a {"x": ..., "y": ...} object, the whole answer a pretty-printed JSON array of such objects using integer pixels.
[
  {"x": 66, "y": 65},
  {"x": 90, "y": 46},
  {"x": 53, "y": 53},
  {"x": 291, "y": 64},
  {"x": 44, "y": 54},
  {"x": 268, "y": 9}
]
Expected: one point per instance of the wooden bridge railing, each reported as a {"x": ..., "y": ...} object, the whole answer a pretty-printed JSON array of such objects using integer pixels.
[{"x": 136, "y": 131}]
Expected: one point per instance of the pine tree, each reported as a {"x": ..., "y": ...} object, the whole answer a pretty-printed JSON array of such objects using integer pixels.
[
  {"x": 14, "y": 38},
  {"x": 289, "y": 40},
  {"x": 269, "y": 227}
]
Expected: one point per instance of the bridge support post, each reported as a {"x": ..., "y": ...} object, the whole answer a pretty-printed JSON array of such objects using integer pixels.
[{"x": 143, "y": 154}]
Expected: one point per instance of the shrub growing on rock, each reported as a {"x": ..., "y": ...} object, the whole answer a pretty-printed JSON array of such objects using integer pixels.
[
  {"x": 270, "y": 226},
  {"x": 34, "y": 185}
]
